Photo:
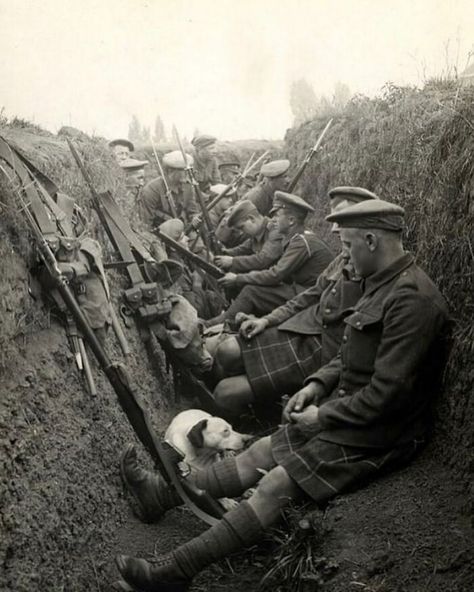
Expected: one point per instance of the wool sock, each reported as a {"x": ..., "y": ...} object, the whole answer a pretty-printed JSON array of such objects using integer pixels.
[
  {"x": 221, "y": 479},
  {"x": 237, "y": 529}
]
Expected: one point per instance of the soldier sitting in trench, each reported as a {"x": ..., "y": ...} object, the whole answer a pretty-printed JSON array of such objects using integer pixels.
[
  {"x": 275, "y": 353},
  {"x": 304, "y": 257},
  {"x": 368, "y": 409}
]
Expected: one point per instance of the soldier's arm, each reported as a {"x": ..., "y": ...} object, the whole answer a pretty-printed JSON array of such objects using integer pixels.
[
  {"x": 244, "y": 248},
  {"x": 295, "y": 255},
  {"x": 410, "y": 324},
  {"x": 327, "y": 376},
  {"x": 270, "y": 252}
]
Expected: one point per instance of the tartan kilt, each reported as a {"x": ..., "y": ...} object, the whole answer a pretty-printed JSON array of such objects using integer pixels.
[
  {"x": 324, "y": 469},
  {"x": 277, "y": 362}
]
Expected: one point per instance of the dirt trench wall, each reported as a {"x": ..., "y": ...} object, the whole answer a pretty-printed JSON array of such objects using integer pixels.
[
  {"x": 61, "y": 496},
  {"x": 415, "y": 148}
]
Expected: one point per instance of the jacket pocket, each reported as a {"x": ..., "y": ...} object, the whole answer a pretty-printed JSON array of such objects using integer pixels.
[{"x": 363, "y": 339}]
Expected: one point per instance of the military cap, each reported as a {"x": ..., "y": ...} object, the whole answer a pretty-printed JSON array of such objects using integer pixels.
[
  {"x": 122, "y": 142},
  {"x": 275, "y": 168},
  {"x": 203, "y": 140},
  {"x": 173, "y": 228},
  {"x": 242, "y": 210},
  {"x": 131, "y": 165},
  {"x": 219, "y": 188},
  {"x": 289, "y": 201},
  {"x": 230, "y": 162},
  {"x": 372, "y": 213},
  {"x": 175, "y": 160},
  {"x": 356, "y": 194}
]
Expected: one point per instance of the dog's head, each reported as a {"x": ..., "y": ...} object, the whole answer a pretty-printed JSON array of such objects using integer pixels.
[{"x": 215, "y": 433}]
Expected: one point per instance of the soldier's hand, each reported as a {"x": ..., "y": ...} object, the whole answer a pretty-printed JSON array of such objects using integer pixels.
[
  {"x": 301, "y": 399},
  {"x": 228, "y": 280},
  {"x": 223, "y": 261},
  {"x": 252, "y": 327},
  {"x": 196, "y": 221},
  {"x": 306, "y": 420}
]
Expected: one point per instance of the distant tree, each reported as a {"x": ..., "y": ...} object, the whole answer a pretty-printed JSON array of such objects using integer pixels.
[
  {"x": 145, "y": 134},
  {"x": 341, "y": 96},
  {"x": 303, "y": 101},
  {"x": 135, "y": 130},
  {"x": 159, "y": 135}
]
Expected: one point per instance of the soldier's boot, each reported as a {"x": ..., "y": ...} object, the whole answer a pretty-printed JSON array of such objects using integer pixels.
[
  {"x": 151, "y": 492},
  {"x": 173, "y": 572}
]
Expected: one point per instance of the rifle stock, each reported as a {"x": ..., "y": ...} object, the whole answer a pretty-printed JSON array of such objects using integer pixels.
[{"x": 206, "y": 266}]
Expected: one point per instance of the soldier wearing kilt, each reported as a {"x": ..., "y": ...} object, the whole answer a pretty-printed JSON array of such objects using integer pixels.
[{"x": 365, "y": 410}]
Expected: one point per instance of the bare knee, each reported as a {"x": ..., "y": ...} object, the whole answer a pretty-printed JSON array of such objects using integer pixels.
[
  {"x": 277, "y": 486},
  {"x": 233, "y": 394},
  {"x": 259, "y": 454},
  {"x": 228, "y": 353}
]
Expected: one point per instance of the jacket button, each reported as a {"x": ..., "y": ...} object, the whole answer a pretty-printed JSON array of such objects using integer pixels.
[
  {"x": 325, "y": 326},
  {"x": 341, "y": 392},
  {"x": 327, "y": 310},
  {"x": 344, "y": 338},
  {"x": 333, "y": 291},
  {"x": 358, "y": 323}
]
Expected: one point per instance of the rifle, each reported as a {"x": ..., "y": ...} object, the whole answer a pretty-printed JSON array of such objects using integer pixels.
[
  {"x": 169, "y": 195},
  {"x": 308, "y": 157},
  {"x": 206, "y": 508},
  {"x": 209, "y": 239},
  {"x": 206, "y": 266}
]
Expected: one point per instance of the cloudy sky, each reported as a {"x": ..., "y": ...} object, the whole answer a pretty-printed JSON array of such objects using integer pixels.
[{"x": 223, "y": 66}]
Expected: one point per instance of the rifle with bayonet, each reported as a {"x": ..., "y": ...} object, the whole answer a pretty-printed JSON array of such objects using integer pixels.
[
  {"x": 205, "y": 507},
  {"x": 235, "y": 183},
  {"x": 308, "y": 157},
  {"x": 203, "y": 264},
  {"x": 169, "y": 195},
  {"x": 208, "y": 236}
]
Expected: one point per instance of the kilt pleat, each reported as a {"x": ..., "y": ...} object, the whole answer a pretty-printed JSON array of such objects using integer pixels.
[
  {"x": 277, "y": 362},
  {"x": 324, "y": 469}
]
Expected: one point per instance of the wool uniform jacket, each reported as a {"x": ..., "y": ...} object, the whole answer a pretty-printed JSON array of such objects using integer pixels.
[
  {"x": 153, "y": 207},
  {"x": 304, "y": 257},
  {"x": 321, "y": 309},
  {"x": 258, "y": 252},
  {"x": 380, "y": 386}
]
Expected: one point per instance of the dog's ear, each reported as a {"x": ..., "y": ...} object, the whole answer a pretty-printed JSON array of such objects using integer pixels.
[{"x": 195, "y": 434}]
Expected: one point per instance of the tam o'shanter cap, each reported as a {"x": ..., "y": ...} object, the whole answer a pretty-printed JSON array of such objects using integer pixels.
[
  {"x": 131, "y": 164},
  {"x": 203, "y": 140},
  {"x": 175, "y": 160},
  {"x": 289, "y": 201},
  {"x": 356, "y": 194},
  {"x": 219, "y": 188},
  {"x": 122, "y": 142},
  {"x": 372, "y": 213},
  {"x": 275, "y": 168},
  {"x": 242, "y": 209}
]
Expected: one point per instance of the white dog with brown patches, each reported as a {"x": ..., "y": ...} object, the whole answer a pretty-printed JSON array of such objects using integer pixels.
[{"x": 202, "y": 437}]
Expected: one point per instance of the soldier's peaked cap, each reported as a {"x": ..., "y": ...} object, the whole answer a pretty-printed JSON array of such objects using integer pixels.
[
  {"x": 242, "y": 210},
  {"x": 175, "y": 160},
  {"x": 122, "y": 142},
  {"x": 289, "y": 201},
  {"x": 356, "y": 194},
  {"x": 132, "y": 164},
  {"x": 203, "y": 140},
  {"x": 229, "y": 162},
  {"x": 275, "y": 168},
  {"x": 372, "y": 213}
]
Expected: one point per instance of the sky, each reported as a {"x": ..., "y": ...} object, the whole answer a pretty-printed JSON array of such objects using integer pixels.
[{"x": 224, "y": 67}]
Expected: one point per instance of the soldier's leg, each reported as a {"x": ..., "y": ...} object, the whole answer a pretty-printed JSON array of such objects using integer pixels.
[
  {"x": 234, "y": 394},
  {"x": 239, "y": 528}
]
